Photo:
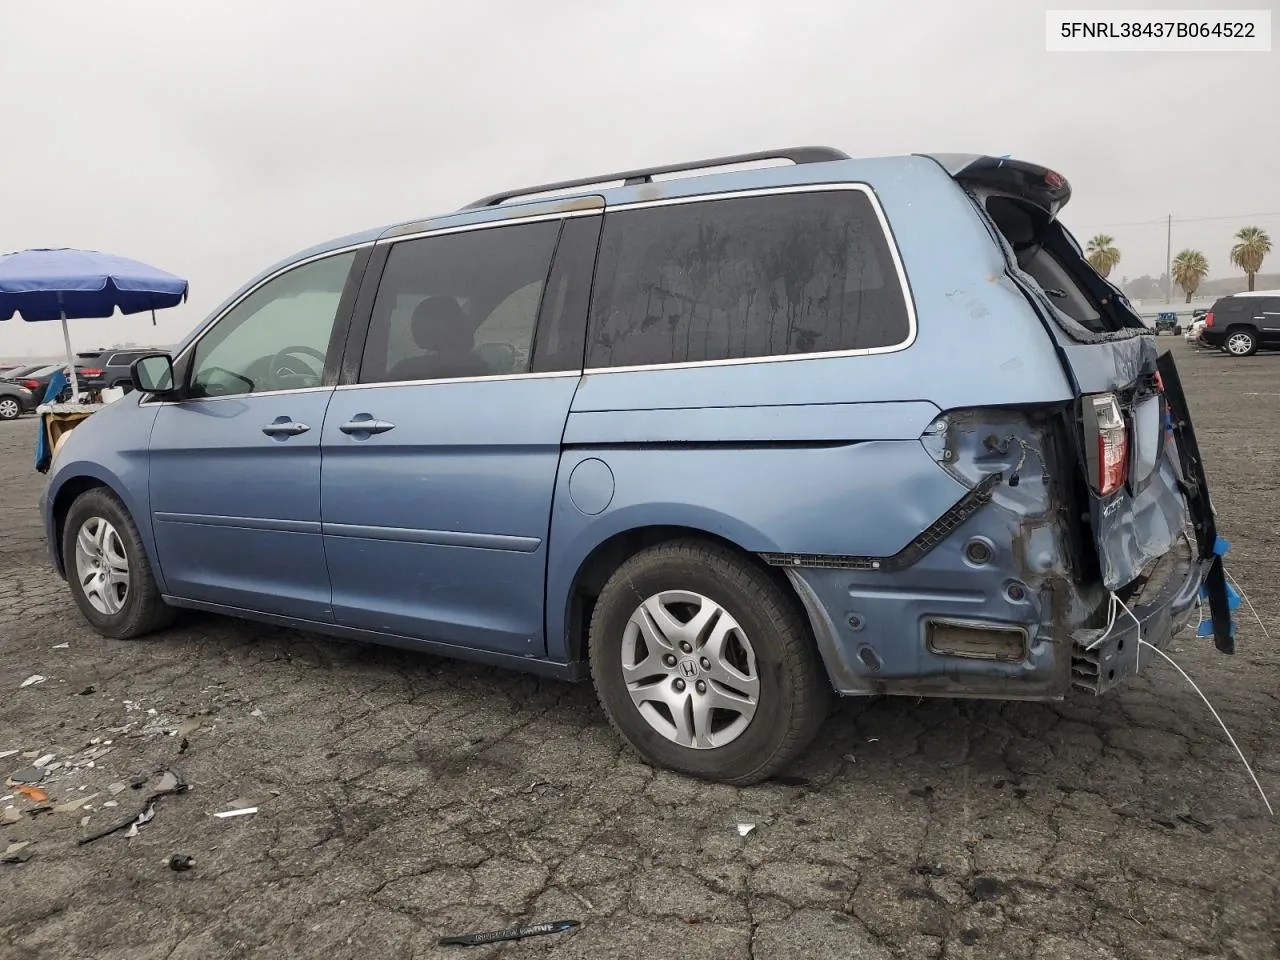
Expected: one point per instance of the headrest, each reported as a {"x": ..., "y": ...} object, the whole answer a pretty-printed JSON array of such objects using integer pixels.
[{"x": 438, "y": 324}]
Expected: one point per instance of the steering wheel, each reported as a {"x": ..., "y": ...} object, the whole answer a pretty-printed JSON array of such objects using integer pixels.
[{"x": 282, "y": 369}]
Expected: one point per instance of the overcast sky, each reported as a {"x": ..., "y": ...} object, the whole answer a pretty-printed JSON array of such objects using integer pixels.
[{"x": 213, "y": 137}]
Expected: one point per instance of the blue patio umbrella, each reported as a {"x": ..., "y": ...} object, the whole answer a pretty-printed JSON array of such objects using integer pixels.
[{"x": 66, "y": 284}]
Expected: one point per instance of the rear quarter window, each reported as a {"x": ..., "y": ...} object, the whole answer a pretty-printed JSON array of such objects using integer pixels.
[
  {"x": 747, "y": 277},
  {"x": 1235, "y": 309}
]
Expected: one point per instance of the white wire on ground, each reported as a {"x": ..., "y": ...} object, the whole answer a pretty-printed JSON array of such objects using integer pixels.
[
  {"x": 1239, "y": 752},
  {"x": 1113, "y": 611},
  {"x": 1243, "y": 596}
]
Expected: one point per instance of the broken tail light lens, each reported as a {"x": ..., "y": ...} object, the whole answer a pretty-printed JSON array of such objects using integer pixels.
[{"x": 1113, "y": 444}]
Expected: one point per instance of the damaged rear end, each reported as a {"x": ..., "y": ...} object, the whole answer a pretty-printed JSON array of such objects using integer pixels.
[{"x": 1121, "y": 462}]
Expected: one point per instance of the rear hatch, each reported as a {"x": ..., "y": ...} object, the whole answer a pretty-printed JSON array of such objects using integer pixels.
[{"x": 1135, "y": 443}]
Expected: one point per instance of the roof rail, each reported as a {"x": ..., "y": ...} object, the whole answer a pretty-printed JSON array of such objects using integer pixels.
[{"x": 632, "y": 178}]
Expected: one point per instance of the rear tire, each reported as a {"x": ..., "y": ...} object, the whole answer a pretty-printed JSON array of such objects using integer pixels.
[
  {"x": 10, "y": 408},
  {"x": 704, "y": 665},
  {"x": 1241, "y": 342},
  {"x": 108, "y": 570}
]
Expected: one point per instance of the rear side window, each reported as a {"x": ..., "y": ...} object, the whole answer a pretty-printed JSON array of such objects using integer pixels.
[
  {"x": 1237, "y": 309},
  {"x": 742, "y": 278},
  {"x": 459, "y": 305}
]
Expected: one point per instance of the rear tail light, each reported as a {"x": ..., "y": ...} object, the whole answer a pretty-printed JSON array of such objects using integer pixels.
[
  {"x": 90, "y": 372},
  {"x": 1112, "y": 444},
  {"x": 31, "y": 384},
  {"x": 1208, "y": 319}
]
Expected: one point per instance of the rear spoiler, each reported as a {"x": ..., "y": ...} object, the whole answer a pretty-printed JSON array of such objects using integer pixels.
[{"x": 1039, "y": 186}]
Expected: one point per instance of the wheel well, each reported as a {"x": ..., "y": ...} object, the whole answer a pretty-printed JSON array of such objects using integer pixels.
[
  {"x": 67, "y": 495},
  {"x": 601, "y": 563}
]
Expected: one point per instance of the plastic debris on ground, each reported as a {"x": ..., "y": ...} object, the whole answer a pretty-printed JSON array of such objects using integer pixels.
[
  {"x": 745, "y": 828},
  {"x": 16, "y": 853},
  {"x": 71, "y": 806},
  {"x": 168, "y": 784},
  {"x": 61, "y": 646},
  {"x": 32, "y": 680},
  {"x": 6, "y": 754},
  {"x": 25, "y": 775},
  {"x": 34, "y": 794},
  {"x": 146, "y": 816},
  {"x": 181, "y": 862},
  {"x": 188, "y": 727},
  {"x": 510, "y": 933},
  {"x": 241, "y": 812}
]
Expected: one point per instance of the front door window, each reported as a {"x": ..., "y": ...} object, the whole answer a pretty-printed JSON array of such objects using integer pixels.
[{"x": 276, "y": 338}]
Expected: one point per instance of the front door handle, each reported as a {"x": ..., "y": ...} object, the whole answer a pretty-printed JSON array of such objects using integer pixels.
[
  {"x": 284, "y": 427},
  {"x": 364, "y": 424}
]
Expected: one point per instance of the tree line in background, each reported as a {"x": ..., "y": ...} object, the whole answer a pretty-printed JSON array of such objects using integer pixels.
[{"x": 1190, "y": 267}]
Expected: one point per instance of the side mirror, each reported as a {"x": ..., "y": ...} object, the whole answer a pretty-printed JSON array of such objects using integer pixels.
[{"x": 154, "y": 374}]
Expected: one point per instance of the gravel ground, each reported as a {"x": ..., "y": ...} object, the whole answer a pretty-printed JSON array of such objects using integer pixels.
[{"x": 403, "y": 797}]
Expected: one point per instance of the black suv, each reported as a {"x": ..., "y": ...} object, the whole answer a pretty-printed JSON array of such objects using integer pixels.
[
  {"x": 109, "y": 368},
  {"x": 1243, "y": 323}
]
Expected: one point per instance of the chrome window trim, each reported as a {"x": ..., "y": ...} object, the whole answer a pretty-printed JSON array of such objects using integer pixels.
[
  {"x": 337, "y": 251},
  {"x": 488, "y": 224},
  {"x": 489, "y": 378},
  {"x": 822, "y": 187},
  {"x": 894, "y": 253},
  {"x": 233, "y": 396}
]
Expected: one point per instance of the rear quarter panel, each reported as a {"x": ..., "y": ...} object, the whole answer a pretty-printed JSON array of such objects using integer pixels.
[{"x": 808, "y": 456}]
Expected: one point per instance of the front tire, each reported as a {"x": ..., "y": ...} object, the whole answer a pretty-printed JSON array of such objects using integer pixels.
[
  {"x": 704, "y": 665},
  {"x": 108, "y": 570},
  {"x": 10, "y": 408}
]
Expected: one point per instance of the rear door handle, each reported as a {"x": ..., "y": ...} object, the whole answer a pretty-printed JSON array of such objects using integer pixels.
[
  {"x": 365, "y": 424},
  {"x": 284, "y": 427}
]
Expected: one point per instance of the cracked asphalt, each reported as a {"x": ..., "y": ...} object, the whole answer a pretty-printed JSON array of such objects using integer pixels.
[{"x": 403, "y": 797}]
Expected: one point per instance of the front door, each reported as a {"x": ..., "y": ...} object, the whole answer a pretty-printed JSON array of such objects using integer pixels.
[
  {"x": 440, "y": 456},
  {"x": 235, "y": 469}
]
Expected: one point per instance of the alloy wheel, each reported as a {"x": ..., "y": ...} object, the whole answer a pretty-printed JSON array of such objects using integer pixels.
[
  {"x": 102, "y": 566},
  {"x": 1240, "y": 344}
]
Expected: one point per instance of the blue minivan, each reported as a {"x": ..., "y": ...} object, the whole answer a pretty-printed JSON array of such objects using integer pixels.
[{"x": 725, "y": 442}]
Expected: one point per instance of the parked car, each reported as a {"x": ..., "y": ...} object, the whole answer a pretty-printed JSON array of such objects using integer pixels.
[
  {"x": 18, "y": 372},
  {"x": 696, "y": 439},
  {"x": 37, "y": 379},
  {"x": 1243, "y": 323},
  {"x": 1192, "y": 334},
  {"x": 109, "y": 368},
  {"x": 15, "y": 400},
  {"x": 1167, "y": 320}
]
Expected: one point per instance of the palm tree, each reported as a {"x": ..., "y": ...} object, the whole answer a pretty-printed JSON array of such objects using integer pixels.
[
  {"x": 1102, "y": 253},
  {"x": 1189, "y": 270},
  {"x": 1252, "y": 246}
]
